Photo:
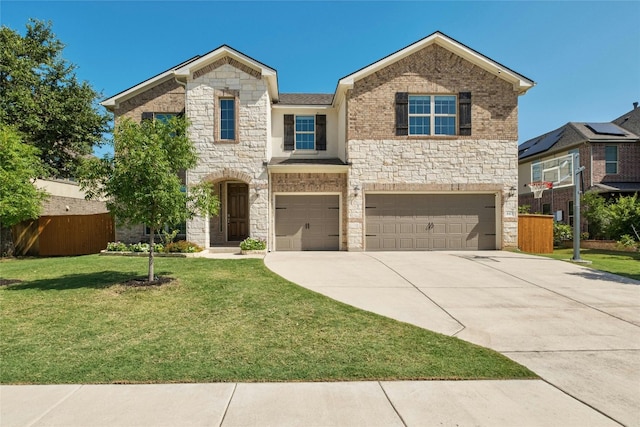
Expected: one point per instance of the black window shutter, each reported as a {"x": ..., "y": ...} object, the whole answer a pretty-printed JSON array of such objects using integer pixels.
[
  {"x": 464, "y": 113},
  {"x": 402, "y": 113},
  {"x": 321, "y": 132},
  {"x": 289, "y": 135},
  {"x": 147, "y": 116}
]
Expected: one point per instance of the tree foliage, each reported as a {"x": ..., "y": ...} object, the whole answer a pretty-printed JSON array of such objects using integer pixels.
[
  {"x": 614, "y": 218},
  {"x": 41, "y": 95},
  {"x": 19, "y": 166},
  {"x": 141, "y": 182}
]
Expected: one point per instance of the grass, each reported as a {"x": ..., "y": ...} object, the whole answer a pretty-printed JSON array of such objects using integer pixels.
[
  {"x": 625, "y": 264},
  {"x": 70, "y": 320}
]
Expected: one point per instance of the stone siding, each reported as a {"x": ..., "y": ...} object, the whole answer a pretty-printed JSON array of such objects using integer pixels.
[
  {"x": 313, "y": 183},
  {"x": 431, "y": 166},
  {"x": 432, "y": 70},
  {"x": 242, "y": 160},
  {"x": 167, "y": 97}
]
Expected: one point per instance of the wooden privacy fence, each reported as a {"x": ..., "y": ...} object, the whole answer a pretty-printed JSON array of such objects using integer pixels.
[
  {"x": 64, "y": 235},
  {"x": 535, "y": 233}
]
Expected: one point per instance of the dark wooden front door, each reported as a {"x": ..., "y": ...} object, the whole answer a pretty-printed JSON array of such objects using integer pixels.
[{"x": 237, "y": 212}]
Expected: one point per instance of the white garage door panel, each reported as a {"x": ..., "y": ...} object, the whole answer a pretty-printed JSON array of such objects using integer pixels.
[{"x": 430, "y": 221}]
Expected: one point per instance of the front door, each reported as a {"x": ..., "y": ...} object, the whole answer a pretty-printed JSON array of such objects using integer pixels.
[{"x": 237, "y": 212}]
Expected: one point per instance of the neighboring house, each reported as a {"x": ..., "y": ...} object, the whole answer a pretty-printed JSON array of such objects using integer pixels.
[
  {"x": 66, "y": 198},
  {"x": 610, "y": 153},
  {"x": 415, "y": 151},
  {"x": 68, "y": 224}
]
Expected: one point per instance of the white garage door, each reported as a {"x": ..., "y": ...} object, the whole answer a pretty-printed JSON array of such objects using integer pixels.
[
  {"x": 407, "y": 222},
  {"x": 307, "y": 223}
]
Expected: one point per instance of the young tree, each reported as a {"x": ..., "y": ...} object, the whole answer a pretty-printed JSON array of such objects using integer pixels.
[
  {"x": 141, "y": 183},
  {"x": 19, "y": 167},
  {"x": 41, "y": 96}
]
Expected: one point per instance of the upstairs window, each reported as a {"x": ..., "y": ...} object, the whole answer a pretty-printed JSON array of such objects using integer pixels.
[
  {"x": 611, "y": 159},
  {"x": 227, "y": 119},
  {"x": 432, "y": 115},
  {"x": 305, "y": 132},
  {"x": 425, "y": 115}
]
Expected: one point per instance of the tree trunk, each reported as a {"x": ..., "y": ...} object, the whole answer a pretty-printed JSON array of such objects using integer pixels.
[{"x": 151, "y": 233}]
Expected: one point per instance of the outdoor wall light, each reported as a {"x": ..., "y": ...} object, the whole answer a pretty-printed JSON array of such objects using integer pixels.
[{"x": 356, "y": 189}]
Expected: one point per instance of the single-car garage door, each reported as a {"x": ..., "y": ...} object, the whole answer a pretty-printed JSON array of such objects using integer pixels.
[
  {"x": 406, "y": 222},
  {"x": 307, "y": 223}
]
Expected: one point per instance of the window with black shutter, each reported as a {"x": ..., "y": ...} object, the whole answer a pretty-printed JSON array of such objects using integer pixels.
[
  {"x": 402, "y": 113},
  {"x": 147, "y": 115},
  {"x": 464, "y": 113},
  {"x": 321, "y": 132},
  {"x": 289, "y": 132}
]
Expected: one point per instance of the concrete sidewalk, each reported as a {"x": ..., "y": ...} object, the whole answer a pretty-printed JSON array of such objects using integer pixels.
[{"x": 388, "y": 404}]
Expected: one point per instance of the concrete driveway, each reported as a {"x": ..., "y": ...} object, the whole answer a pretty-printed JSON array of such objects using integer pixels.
[{"x": 577, "y": 328}]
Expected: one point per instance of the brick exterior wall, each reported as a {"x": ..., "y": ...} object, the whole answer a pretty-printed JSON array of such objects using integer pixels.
[
  {"x": 167, "y": 97},
  {"x": 628, "y": 163},
  {"x": 312, "y": 183},
  {"x": 58, "y": 205},
  {"x": 485, "y": 162},
  {"x": 432, "y": 70}
]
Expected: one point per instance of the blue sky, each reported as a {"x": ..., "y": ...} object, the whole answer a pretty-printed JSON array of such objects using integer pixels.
[{"x": 583, "y": 56}]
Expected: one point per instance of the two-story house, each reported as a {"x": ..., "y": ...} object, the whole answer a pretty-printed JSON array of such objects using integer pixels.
[
  {"x": 416, "y": 151},
  {"x": 609, "y": 152}
]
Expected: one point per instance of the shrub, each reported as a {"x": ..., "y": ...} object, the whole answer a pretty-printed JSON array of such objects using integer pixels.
[
  {"x": 182, "y": 246},
  {"x": 139, "y": 247},
  {"x": 627, "y": 241},
  {"x": 524, "y": 209},
  {"x": 561, "y": 232},
  {"x": 117, "y": 247},
  {"x": 251, "y": 244}
]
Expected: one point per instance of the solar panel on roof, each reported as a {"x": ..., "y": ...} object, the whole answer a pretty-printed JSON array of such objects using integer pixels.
[
  {"x": 540, "y": 144},
  {"x": 605, "y": 129}
]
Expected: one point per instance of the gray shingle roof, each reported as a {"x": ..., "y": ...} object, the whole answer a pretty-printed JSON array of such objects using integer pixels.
[
  {"x": 306, "y": 98},
  {"x": 630, "y": 121},
  {"x": 567, "y": 136}
]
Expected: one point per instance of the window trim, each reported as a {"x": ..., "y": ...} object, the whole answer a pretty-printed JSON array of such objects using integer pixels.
[
  {"x": 433, "y": 115},
  {"x": 296, "y": 132},
  {"x": 615, "y": 162},
  {"x": 222, "y": 128},
  {"x": 221, "y": 95}
]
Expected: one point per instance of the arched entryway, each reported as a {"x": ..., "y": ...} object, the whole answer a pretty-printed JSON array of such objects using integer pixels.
[{"x": 232, "y": 224}]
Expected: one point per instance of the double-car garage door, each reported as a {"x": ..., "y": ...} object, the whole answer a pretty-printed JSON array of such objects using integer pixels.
[
  {"x": 409, "y": 222},
  {"x": 393, "y": 222}
]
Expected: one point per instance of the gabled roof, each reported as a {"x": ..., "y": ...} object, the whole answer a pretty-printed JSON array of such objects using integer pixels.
[
  {"x": 520, "y": 82},
  {"x": 305, "y": 99},
  {"x": 141, "y": 87},
  {"x": 198, "y": 62},
  {"x": 571, "y": 135},
  {"x": 630, "y": 121}
]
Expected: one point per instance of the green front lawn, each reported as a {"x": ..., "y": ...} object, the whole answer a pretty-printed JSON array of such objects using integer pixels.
[
  {"x": 622, "y": 263},
  {"x": 71, "y": 320}
]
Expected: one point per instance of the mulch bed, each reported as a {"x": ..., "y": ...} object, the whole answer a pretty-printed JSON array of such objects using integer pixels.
[{"x": 144, "y": 282}]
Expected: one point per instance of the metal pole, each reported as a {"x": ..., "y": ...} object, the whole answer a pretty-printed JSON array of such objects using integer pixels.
[{"x": 577, "y": 170}]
